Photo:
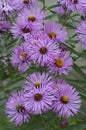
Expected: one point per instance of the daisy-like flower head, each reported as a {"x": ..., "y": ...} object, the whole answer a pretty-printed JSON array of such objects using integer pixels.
[
  {"x": 20, "y": 4},
  {"x": 20, "y": 58},
  {"x": 61, "y": 63},
  {"x": 73, "y": 5},
  {"x": 55, "y": 31},
  {"x": 37, "y": 80},
  {"x": 21, "y": 28},
  {"x": 68, "y": 101},
  {"x": 39, "y": 100},
  {"x": 42, "y": 50},
  {"x": 81, "y": 32},
  {"x": 33, "y": 15},
  {"x": 16, "y": 110}
]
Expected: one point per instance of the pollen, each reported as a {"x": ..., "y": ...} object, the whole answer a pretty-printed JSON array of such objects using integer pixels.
[
  {"x": 32, "y": 18},
  {"x": 23, "y": 55},
  {"x": 37, "y": 84},
  {"x": 64, "y": 99},
  {"x": 59, "y": 62},
  {"x": 26, "y": 1},
  {"x": 52, "y": 35}
]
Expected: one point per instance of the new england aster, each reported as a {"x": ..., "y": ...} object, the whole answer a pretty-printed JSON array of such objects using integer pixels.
[
  {"x": 61, "y": 63},
  {"x": 37, "y": 80},
  {"x": 16, "y": 110},
  {"x": 20, "y": 58},
  {"x": 33, "y": 15},
  {"x": 39, "y": 100},
  {"x": 55, "y": 31},
  {"x": 68, "y": 101},
  {"x": 73, "y": 5},
  {"x": 81, "y": 32},
  {"x": 42, "y": 50},
  {"x": 21, "y": 28},
  {"x": 28, "y": 21}
]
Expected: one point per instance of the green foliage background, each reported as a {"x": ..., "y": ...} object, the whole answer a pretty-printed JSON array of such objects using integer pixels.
[{"x": 13, "y": 81}]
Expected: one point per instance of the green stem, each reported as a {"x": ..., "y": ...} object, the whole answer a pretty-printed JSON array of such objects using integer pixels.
[
  {"x": 80, "y": 55},
  {"x": 43, "y": 5}
]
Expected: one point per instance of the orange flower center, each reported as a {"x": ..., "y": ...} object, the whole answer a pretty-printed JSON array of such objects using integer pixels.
[
  {"x": 32, "y": 18},
  {"x": 26, "y": 1},
  {"x": 52, "y": 35},
  {"x": 37, "y": 84},
  {"x": 64, "y": 99},
  {"x": 59, "y": 63},
  {"x": 23, "y": 55}
]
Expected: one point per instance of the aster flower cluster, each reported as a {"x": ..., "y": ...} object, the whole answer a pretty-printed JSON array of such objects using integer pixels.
[
  {"x": 41, "y": 44},
  {"x": 40, "y": 94}
]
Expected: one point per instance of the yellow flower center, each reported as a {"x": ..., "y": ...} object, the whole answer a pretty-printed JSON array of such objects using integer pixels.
[
  {"x": 59, "y": 62},
  {"x": 23, "y": 55},
  {"x": 37, "y": 84},
  {"x": 64, "y": 99},
  {"x": 52, "y": 35},
  {"x": 26, "y": 1},
  {"x": 32, "y": 18}
]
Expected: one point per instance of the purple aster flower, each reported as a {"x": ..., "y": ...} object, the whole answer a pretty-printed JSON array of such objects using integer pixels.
[
  {"x": 61, "y": 63},
  {"x": 55, "y": 31},
  {"x": 16, "y": 110},
  {"x": 20, "y": 4},
  {"x": 73, "y": 5},
  {"x": 68, "y": 101},
  {"x": 42, "y": 50},
  {"x": 33, "y": 15},
  {"x": 21, "y": 28},
  {"x": 81, "y": 32},
  {"x": 37, "y": 80},
  {"x": 20, "y": 58},
  {"x": 39, "y": 100}
]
